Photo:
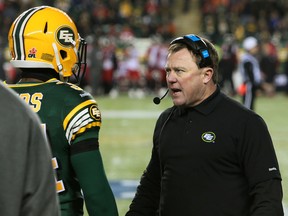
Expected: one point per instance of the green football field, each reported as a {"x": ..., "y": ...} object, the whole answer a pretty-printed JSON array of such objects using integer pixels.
[{"x": 127, "y": 128}]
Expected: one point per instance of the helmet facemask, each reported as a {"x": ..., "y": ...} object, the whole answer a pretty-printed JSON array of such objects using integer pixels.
[{"x": 79, "y": 69}]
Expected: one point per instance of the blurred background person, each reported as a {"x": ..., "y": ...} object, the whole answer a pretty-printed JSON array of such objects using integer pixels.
[
  {"x": 250, "y": 71},
  {"x": 228, "y": 64},
  {"x": 154, "y": 58},
  {"x": 269, "y": 66},
  {"x": 109, "y": 65}
]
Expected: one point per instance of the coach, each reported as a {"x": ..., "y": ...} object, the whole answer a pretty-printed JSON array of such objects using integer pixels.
[{"x": 211, "y": 155}]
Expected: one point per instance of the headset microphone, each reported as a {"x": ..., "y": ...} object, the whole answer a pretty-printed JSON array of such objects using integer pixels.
[{"x": 157, "y": 100}]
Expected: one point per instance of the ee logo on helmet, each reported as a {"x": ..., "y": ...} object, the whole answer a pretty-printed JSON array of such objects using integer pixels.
[{"x": 65, "y": 36}]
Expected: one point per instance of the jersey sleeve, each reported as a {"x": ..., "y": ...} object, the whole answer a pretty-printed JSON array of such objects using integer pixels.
[
  {"x": 81, "y": 125},
  {"x": 99, "y": 199},
  {"x": 82, "y": 120}
]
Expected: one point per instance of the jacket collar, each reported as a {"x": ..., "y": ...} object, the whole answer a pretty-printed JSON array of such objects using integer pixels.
[{"x": 206, "y": 106}]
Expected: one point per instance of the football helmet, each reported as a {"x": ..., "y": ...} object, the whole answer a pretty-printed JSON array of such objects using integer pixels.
[{"x": 46, "y": 37}]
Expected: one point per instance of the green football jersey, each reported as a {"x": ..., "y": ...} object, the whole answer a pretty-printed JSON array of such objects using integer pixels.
[{"x": 69, "y": 115}]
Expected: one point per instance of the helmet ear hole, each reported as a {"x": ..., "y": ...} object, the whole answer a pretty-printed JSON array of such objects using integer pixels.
[{"x": 63, "y": 54}]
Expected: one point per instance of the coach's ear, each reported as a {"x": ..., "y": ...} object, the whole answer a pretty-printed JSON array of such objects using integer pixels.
[{"x": 207, "y": 74}]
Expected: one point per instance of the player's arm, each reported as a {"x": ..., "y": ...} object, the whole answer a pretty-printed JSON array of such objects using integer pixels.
[
  {"x": 82, "y": 125},
  {"x": 87, "y": 163}
]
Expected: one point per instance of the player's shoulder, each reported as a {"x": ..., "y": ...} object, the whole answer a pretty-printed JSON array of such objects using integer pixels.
[
  {"x": 66, "y": 86},
  {"x": 71, "y": 91},
  {"x": 12, "y": 104}
]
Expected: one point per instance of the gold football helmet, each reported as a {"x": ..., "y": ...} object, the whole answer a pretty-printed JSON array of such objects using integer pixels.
[{"x": 46, "y": 37}]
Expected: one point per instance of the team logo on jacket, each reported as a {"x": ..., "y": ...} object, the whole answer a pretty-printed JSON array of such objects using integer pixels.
[{"x": 208, "y": 137}]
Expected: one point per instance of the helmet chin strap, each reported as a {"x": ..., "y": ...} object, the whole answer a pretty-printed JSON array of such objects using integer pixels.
[
  {"x": 62, "y": 78},
  {"x": 59, "y": 65}
]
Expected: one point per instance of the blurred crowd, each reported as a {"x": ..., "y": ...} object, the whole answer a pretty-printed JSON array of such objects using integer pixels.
[
  {"x": 128, "y": 39},
  {"x": 229, "y": 22},
  {"x": 265, "y": 19}
]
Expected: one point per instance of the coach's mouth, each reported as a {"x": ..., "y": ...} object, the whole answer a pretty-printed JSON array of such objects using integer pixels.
[{"x": 175, "y": 91}]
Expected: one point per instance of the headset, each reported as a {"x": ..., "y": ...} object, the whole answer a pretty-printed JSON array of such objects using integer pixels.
[{"x": 198, "y": 47}]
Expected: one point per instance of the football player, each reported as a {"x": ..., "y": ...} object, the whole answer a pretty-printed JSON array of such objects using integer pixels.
[{"x": 45, "y": 45}]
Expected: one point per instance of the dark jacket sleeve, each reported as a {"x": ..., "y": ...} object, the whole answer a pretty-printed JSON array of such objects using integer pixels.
[
  {"x": 146, "y": 200},
  {"x": 267, "y": 198},
  {"x": 147, "y": 197},
  {"x": 261, "y": 169}
]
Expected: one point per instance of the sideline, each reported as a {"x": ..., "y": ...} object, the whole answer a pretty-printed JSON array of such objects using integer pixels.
[
  {"x": 130, "y": 114},
  {"x": 124, "y": 189}
]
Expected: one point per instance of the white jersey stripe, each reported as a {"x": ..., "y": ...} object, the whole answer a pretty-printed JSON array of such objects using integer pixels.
[
  {"x": 74, "y": 120},
  {"x": 83, "y": 124},
  {"x": 80, "y": 120},
  {"x": 83, "y": 118}
]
